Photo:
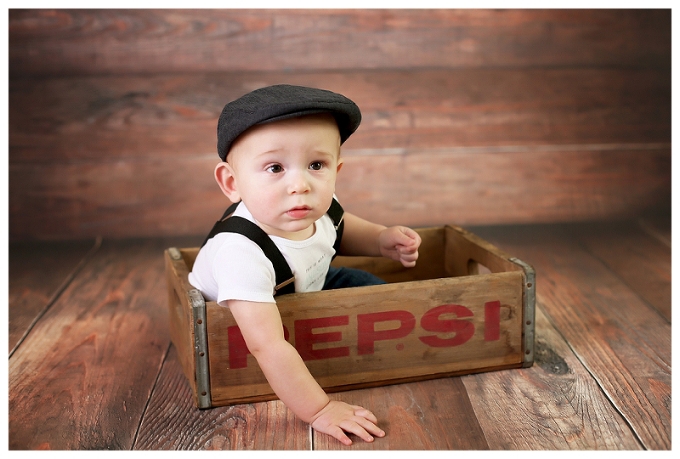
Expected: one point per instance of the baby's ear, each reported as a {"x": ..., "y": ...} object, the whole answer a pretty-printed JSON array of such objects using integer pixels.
[{"x": 224, "y": 176}]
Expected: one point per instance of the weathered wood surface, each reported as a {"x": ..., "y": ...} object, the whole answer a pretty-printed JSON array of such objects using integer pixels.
[
  {"x": 403, "y": 358},
  {"x": 108, "y": 136},
  {"x": 557, "y": 394},
  {"x": 105, "y": 119},
  {"x": 371, "y": 336},
  {"x": 622, "y": 340},
  {"x": 40, "y": 271},
  {"x": 98, "y": 371},
  {"x": 68, "y": 42},
  {"x": 658, "y": 227},
  {"x": 427, "y": 415},
  {"x": 83, "y": 377},
  {"x": 172, "y": 421},
  {"x": 180, "y": 197},
  {"x": 642, "y": 262}
]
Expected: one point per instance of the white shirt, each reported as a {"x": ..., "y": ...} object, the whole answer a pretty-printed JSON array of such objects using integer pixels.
[{"x": 232, "y": 267}]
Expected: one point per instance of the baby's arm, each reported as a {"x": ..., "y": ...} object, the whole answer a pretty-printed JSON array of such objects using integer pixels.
[
  {"x": 364, "y": 238},
  {"x": 261, "y": 327}
]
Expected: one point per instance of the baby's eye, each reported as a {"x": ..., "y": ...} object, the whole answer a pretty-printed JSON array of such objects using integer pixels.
[
  {"x": 275, "y": 168},
  {"x": 316, "y": 165}
]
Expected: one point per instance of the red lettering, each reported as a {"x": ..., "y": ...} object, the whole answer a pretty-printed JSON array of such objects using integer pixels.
[
  {"x": 238, "y": 351},
  {"x": 458, "y": 327},
  {"x": 367, "y": 335},
  {"x": 305, "y": 338},
  {"x": 492, "y": 321},
  {"x": 464, "y": 329}
]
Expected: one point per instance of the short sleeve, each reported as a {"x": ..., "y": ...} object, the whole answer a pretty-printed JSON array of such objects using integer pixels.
[{"x": 242, "y": 271}]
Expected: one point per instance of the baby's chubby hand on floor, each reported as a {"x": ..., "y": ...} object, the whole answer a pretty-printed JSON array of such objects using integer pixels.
[{"x": 336, "y": 418}]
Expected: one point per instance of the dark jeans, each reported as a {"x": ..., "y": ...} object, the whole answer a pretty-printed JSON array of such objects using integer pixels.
[{"x": 349, "y": 277}]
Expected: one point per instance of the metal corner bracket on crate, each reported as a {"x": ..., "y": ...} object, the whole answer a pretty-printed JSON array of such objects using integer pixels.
[
  {"x": 201, "y": 349},
  {"x": 529, "y": 311},
  {"x": 200, "y": 341}
]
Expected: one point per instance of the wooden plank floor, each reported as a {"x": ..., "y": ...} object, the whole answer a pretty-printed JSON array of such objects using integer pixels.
[{"x": 91, "y": 365}]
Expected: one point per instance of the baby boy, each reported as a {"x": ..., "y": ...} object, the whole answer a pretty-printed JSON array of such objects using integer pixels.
[{"x": 280, "y": 152}]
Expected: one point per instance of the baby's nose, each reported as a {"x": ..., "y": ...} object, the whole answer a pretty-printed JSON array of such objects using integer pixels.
[{"x": 299, "y": 183}]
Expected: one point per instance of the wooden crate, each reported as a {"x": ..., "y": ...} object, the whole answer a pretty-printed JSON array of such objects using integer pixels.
[{"x": 466, "y": 307}]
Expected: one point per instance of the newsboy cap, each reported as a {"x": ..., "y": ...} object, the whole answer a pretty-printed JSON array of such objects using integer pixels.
[{"x": 280, "y": 102}]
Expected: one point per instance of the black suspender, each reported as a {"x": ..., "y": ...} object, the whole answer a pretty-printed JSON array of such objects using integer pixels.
[
  {"x": 337, "y": 214},
  {"x": 284, "y": 276}
]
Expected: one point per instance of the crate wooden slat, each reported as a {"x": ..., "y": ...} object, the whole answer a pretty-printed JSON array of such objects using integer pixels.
[{"x": 436, "y": 320}]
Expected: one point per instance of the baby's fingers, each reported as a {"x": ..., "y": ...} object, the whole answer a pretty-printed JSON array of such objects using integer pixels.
[
  {"x": 339, "y": 434},
  {"x": 411, "y": 252},
  {"x": 364, "y": 413},
  {"x": 368, "y": 421},
  {"x": 408, "y": 256},
  {"x": 360, "y": 427},
  {"x": 371, "y": 428}
]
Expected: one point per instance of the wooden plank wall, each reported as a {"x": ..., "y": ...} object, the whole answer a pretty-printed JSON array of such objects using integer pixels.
[{"x": 470, "y": 116}]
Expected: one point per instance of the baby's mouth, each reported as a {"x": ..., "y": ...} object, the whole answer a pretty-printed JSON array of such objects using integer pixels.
[{"x": 299, "y": 212}]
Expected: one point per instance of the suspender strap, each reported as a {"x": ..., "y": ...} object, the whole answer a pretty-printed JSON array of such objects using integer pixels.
[
  {"x": 337, "y": 214},
  {"x": 216, "y": 229},
  {"x": 284, "y": 276}
]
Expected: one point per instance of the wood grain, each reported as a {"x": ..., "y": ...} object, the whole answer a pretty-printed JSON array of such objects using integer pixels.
[
  {"x": 182, "y": 322},
  {"x": 641, "y": 261},
  {"x": 657, "y": 226},
  {"x": 601, "y": 378},
  {"x": 134, "y": 156},
  {"x": 470, "y": 188},
  {"x": 388, "y": 359},
  {"x": 470, "y": 117},
  {"x": 38, "y": 272},
  {"x": 555, "y": 405},
  {"x": 622, "y": 341},
  {"x": 174, "y": 117},
  {"x": 111, "y": 108},
  {"x": 75, "y": 42},
  {"x": 82, "y": 378},
  {"x": 151, "y": 198},
  {"x": 172, "y": 421},
  {"x": 426, "y": 415}
]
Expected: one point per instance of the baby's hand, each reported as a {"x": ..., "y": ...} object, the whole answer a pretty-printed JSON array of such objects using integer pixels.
[
  {"x": 401, "y": 244},
  {"x": 336, "y": 418}
]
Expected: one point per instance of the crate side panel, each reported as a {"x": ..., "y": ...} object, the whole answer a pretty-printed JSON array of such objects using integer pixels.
[
  {"x": 189, "y": 256},
  {"x": 362, "y": 336},
  {"x": 465, "y": 252},
  {"x": 180, "y": 315}
]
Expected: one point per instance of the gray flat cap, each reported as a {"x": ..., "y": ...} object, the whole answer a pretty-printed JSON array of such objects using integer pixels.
[{"x": 280, "y": 102}]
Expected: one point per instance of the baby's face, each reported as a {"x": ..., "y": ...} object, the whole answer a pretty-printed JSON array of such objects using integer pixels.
[{"x": 285, "y": 173}]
